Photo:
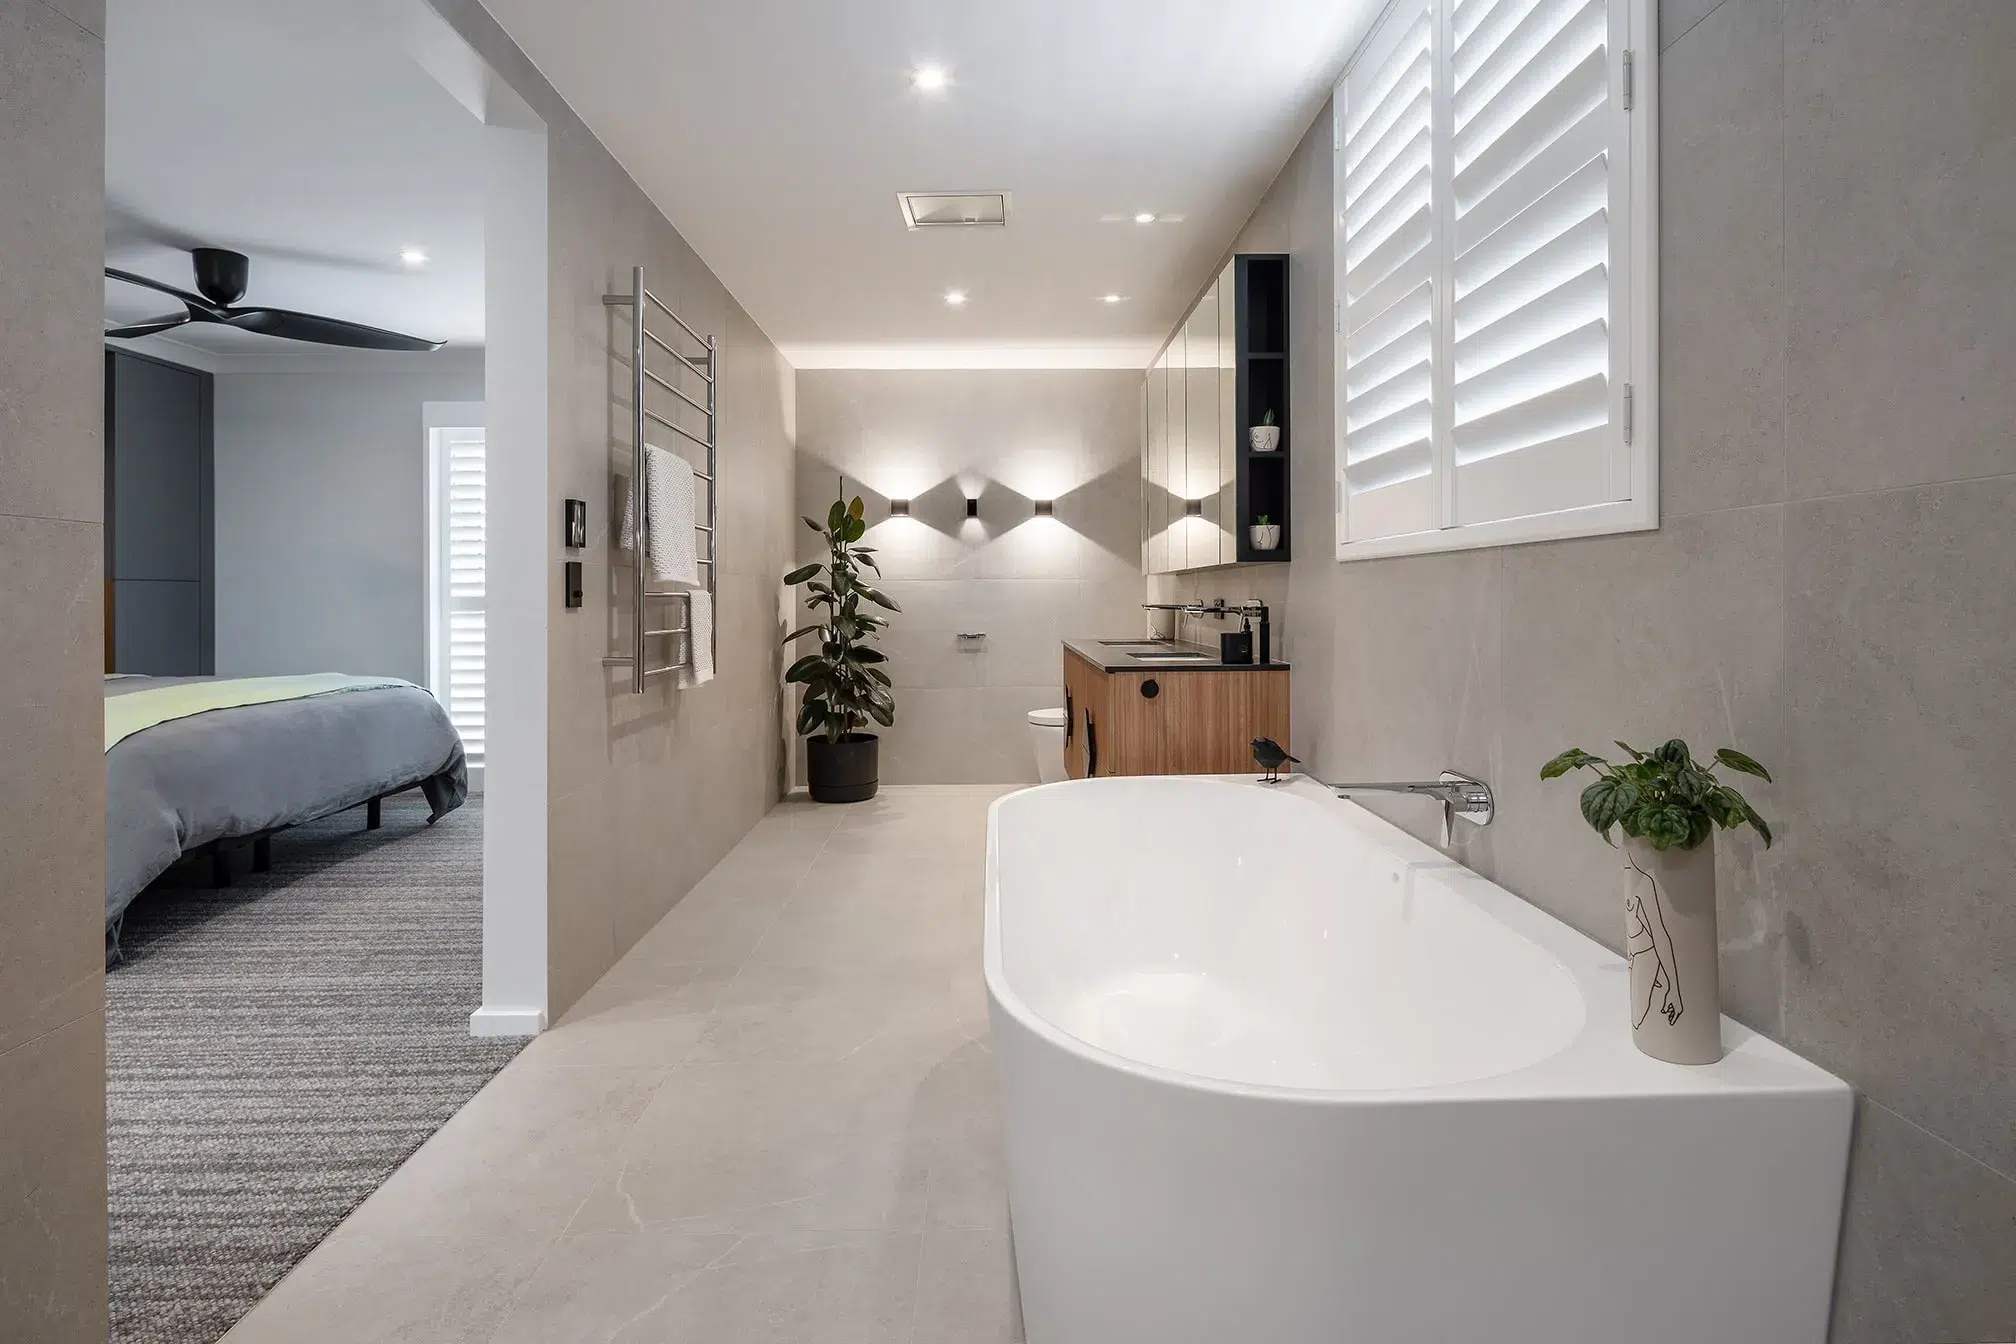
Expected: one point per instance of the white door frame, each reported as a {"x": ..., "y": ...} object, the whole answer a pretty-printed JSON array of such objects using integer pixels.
[{"x": 517, "y": 575}]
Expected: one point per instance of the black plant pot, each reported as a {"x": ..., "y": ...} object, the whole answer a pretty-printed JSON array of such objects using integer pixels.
[{"x": 843, "y": 771}]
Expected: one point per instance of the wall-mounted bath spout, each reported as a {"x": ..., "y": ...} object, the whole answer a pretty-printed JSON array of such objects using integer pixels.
[{"x": 1460, "y": 796}]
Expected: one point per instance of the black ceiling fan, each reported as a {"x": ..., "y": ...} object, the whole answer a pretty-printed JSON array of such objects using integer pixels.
[{"x": 221, "y": 276}]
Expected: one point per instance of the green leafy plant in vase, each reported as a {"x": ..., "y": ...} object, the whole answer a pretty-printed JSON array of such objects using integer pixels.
[
  {"x": 845, "y": 686},
  {"x": 1668, "y": 806}
]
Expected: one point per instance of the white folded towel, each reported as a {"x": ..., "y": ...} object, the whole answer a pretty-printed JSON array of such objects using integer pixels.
[
  {"x": 699, "y": 669},
  {"x": 673, "y": 542}
]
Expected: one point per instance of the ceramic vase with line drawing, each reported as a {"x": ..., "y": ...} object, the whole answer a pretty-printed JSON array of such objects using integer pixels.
[{"x": 1669, "y": 921}]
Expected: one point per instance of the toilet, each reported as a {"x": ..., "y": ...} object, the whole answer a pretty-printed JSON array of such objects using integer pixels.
[{"x": 1046, "y": 732}]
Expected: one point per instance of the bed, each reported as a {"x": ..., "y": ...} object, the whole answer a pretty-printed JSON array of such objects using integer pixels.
[{"x": 198, "y": 763}]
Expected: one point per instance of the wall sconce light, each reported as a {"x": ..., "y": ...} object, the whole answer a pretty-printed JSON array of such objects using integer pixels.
[
  {"x": 1045, "y": 508},
  {"x": 899, "y": 508},
  {"x": 1193, "y": 508},
  {"x": 972, "y": 507}
]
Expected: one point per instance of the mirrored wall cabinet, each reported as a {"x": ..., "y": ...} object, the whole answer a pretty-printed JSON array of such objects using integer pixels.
[{"x": 1215, "y": 492}]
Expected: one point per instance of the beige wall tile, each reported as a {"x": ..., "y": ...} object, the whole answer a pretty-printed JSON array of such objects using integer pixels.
[
  {"x": 86, "y": 14},
  {"x": 1900, "y": 641},
  {"x": 1641, "y": 637},
  {"x": 1900, "y": 182},
  {"x": 1857, "y": 644},
  {"x": 52, "y": 829},
  {"x": 52, "y": 1185},
  {"x": 1926, "y": 1251},
  {"x": 52, "y": 794},
  {"x": 52, "y": 201},
  {"x": 1721, "y": 262},
  {"x": 1010, "y": 438}
]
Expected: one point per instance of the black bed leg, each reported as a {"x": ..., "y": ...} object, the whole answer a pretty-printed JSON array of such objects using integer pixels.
[
  {"x": 262, "y": 854},
  {"x": 373, "y": 814},
  {"x": 220, "y": 867}
]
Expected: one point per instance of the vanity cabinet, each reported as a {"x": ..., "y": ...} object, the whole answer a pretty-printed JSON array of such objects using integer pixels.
[
  {"x": 1165, "y": 721},
  {"x": 1224, "y": 370}
]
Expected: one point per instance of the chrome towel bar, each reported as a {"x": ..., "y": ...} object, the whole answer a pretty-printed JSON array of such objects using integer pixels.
[{"x": 640, "y": 301}]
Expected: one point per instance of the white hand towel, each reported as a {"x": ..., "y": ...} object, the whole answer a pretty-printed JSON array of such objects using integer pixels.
[
  {"x": 699, "y": 669},
  {"x": 673, "y": 542}
]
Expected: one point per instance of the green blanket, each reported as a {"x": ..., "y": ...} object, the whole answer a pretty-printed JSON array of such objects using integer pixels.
[{"x": 134, "y": 711}]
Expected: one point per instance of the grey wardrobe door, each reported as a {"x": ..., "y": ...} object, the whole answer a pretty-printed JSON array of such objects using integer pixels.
[
  {"x": 157, "y": 485},
  {"x": 157, "y": 627},
  {"x": 158, "y": 513}
]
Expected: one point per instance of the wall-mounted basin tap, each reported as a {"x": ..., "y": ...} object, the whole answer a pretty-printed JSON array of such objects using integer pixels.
[
  {"x": 1460, "y": 796},
  {"x": 1253, "y": 609}
]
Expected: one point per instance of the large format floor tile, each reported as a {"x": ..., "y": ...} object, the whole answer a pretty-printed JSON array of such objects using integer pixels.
[{"x": 774, "y": 1120}]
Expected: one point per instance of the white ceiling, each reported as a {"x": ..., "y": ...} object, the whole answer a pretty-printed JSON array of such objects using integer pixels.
[
  {"x": 775, "y": 135},
  {"x": 293, "y": 132}
]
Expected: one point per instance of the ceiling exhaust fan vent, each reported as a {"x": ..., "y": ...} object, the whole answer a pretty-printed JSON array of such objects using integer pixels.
[{"x": 953, "y": 209}]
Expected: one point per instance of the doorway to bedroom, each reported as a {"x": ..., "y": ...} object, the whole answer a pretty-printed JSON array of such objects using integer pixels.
[{"x": 325, "y": 413}]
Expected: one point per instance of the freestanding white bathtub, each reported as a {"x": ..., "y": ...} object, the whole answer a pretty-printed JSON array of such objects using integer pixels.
[{"x": 1276, "y": 1073}]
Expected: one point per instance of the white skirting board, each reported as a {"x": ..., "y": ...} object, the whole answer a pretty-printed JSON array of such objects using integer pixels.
[{"x": 487, "y": 1021}]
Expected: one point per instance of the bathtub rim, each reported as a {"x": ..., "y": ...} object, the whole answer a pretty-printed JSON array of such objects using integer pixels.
[{"x": 1598, "y": 1062}]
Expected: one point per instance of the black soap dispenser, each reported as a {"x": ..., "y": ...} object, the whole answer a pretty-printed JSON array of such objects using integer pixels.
[{"x": 1236, "y": 650}]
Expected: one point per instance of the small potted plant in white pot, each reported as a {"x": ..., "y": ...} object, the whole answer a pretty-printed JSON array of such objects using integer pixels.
[
  {"x": 1668, "y": 807},
  {"x": 844, "y": 687},
  {"x": 1264, "y": 535},
  {"x": 1265, "y": 436}
]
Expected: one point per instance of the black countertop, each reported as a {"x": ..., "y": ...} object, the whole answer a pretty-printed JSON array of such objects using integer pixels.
[{"x": 1135, "y": 655}]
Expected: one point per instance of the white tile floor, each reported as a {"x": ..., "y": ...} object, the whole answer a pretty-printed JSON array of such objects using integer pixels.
[{"x": 775, "y": 1120}]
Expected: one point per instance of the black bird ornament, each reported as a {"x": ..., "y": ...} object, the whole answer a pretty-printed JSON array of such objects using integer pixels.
[{"x": 1269, "y": 756}]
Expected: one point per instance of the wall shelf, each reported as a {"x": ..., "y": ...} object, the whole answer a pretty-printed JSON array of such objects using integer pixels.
[
  {"x": 1222, "y": 371},
  {"x": 1260, "y": 281}
]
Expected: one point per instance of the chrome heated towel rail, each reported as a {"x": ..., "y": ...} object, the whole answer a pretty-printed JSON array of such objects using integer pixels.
[{"x": 640, "y": 301}]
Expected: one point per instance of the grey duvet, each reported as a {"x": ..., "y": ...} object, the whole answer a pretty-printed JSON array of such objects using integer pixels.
[{"x": 236, "y": 772}]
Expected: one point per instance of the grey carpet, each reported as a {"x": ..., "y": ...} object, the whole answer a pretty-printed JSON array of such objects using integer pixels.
[{"x": 275, "y": 1049}]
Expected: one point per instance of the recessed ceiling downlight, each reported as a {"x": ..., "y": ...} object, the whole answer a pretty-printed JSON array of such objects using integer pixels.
[
  {"x": 413, "y": 256},
  {"x": 953, "y": 209},
  {"x": 930, "y": 78},
  {"x": 955, "y": 298},
  {"x": 1145, "y": 217},
  {"x": 1112, "y": 298}
]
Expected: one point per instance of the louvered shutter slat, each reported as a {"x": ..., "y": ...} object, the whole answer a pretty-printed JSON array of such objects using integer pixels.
[
  {"x": 1389, "y": 316},
  {"x": 1531, "y": 279}
]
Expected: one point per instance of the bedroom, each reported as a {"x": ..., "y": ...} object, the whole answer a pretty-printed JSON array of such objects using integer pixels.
[{"x": 294, "y": 635}]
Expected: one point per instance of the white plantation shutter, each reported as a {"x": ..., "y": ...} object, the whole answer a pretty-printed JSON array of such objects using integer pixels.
[
  {"x": 1386, "y": 219},
  {"x": 460, "y": 508},
  {"x": 1517, "y": 335}
]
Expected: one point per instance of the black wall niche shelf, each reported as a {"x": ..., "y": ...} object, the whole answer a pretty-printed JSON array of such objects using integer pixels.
[{"x": 1261, "y": 336}]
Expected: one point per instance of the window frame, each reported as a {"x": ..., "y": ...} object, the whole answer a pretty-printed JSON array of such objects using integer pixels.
[
  {"x": 1633, "y": 36},
  {"x": 436, "y": 418}
]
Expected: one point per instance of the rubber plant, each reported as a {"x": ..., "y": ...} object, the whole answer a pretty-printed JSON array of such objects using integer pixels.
[
  {"x": 1663, "y": 796},
  {"x": 844, "y": 686}
]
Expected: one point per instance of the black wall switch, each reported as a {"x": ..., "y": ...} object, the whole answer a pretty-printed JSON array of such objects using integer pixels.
[
  {"x": 573, "y": 583},
  {"x": 576, "y": 523}
]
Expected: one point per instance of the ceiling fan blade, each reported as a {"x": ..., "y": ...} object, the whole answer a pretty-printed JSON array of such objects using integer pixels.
[
  {"x": 323, "y": 330},
  {"x": 195, "y": 302},
  {"x": 132, "y": 329}
]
